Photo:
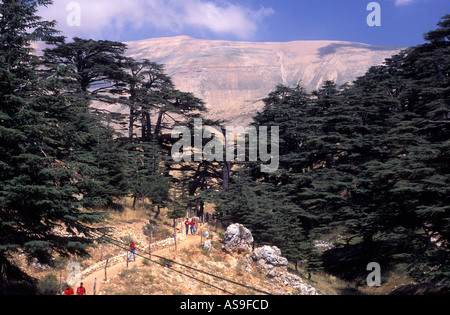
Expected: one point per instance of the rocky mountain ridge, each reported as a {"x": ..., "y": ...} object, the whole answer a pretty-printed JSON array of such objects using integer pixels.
[{"x": 233, "y": 77}]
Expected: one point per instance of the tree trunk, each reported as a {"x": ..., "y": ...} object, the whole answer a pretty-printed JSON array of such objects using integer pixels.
[
  {"x": 189, "y": 210},
  {"x": 226, "y": 175},
  {"x": 134, "y": 201},
  {"x": 144, "y": 127},
  {"x": 158, "y": 126},
  {"x": 149, "y": 126},
  {"x": 131, "y": 125},
  {"x": 202, "y": 209},
  {"x": 132, "y": 111},
  {"x": 158, "y": 211}
]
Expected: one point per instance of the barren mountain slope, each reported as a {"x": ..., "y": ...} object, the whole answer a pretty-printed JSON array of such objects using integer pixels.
[{"x": 233, "y": 77}]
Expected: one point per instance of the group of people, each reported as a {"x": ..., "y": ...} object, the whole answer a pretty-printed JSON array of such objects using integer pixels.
[
  {"x": 81, "y": 290},
  {"x": 190, "y": 225}
]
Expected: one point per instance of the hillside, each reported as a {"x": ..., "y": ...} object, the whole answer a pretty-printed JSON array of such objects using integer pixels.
[
  {"x": 171, "y": 277},
  {"x": 162, "y": 277},
  {"x": 233, "y": 77},
  {"x": 189, "y": 270}
]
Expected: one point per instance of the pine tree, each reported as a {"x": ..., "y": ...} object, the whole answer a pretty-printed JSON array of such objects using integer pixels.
[
  {"x": 155, "y": 106},
  {"x": 142, "y": 90},
  {"x": 90, "y": 67},
  {"x": 37, "y": 194},
  {"x": 401, "y": 186},
  {"x": 424, "y": 187},
  {"x": 86, "y": 72},
  {"x": 275, "y": 211}
]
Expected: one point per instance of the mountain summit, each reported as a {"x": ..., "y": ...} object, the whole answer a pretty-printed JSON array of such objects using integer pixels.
[{"x": 233, "y": 77}]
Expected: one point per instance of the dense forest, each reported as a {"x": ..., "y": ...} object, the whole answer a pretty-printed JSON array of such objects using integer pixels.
[{"x": 364, "y": 166}]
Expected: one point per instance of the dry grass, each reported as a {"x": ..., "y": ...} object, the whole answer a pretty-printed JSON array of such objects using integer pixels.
[
  {"x": 158, "y": 279},
  {"x": 125, "y": 212},
  {"x": 150, "y": 278}
]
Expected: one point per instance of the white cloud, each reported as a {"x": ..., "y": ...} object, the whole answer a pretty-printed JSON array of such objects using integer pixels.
[
  {"x": 109, "y": 18},
  {"x": 232, "y": 19}
]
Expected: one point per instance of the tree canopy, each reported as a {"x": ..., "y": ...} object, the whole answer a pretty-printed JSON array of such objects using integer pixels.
[{"x": 363, "y": 164}]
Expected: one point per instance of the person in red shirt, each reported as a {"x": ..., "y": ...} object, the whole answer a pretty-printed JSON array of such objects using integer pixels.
[
  {"x": 192, "y": 227},
  {"x": 68, "y": 291},
  {"x": 81, "y": 290},
  {"x": 187, "y": 224},
  {"x": 132, "y": 251}
]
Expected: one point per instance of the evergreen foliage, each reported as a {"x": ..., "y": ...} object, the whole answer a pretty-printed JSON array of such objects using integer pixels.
[
  {"x": 38, "y": 192},
  {"x": 365, "y": 163}
]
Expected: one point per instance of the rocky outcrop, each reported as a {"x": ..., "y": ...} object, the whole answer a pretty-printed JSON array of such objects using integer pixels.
[
  {"x": 207, "y": 245},
  {"x": 267, "y": 259},
  {"x": 238, "y": 239}
]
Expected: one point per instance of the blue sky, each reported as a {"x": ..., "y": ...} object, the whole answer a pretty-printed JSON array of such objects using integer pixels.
[{"x": 403, "y": 22}]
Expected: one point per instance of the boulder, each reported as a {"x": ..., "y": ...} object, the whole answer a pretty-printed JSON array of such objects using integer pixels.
[
  {"x": 207, "y": 245},
  {"x": 238, "y": 239},
  {"x": 268, "y": 260},
  {"x": 269, "y": 257}
]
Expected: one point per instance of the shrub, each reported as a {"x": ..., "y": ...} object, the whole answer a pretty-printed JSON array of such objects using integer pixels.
[{"x": 48, "y": 285}]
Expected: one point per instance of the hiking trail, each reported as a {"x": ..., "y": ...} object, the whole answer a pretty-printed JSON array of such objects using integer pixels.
[{"x": 114, "y": 270}]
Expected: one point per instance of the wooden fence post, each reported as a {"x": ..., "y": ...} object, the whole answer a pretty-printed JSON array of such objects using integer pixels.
[
  {"x": 175, "y": 233},
  {"x": 106, "y": 266},
  {"x": 95, "y": 287},
  {"x": 60, "y": 282},
  {"x": 150, "y": 245}
]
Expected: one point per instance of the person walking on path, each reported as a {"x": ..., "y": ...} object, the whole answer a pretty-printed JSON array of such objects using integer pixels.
[
  {"x": 68, "y": 291},
  {"x": 192, "y": 227},
  {"x": 81, "y": 290},
  {"x": 132, "y": 251},
  {"x": 187, "y": 224}
]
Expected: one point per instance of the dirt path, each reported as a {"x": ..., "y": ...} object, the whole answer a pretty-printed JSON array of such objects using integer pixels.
[{"x": 88, "y": 282}]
